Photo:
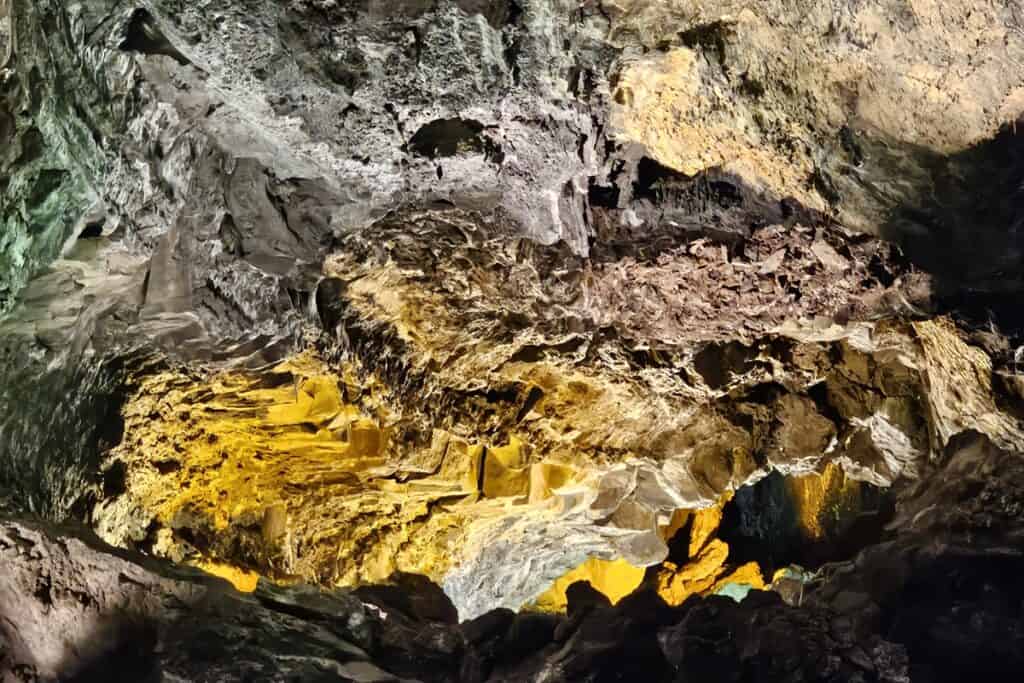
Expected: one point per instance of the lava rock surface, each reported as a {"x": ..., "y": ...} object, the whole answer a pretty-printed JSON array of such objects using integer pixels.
[{"x": 341, "y": 290}]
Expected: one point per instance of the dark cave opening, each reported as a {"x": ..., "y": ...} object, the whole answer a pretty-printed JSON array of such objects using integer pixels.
[
  {"x": 454, "y": 137},
  {"x": 448, "y": 137},
  {"x": 782, "y": 521},
  {"x": 965, "y": 223},
  {"x": 961, "y": 617},
  {"x": 92, "y": 229},
  {"x": 718, "y": 362},
  {"x": 143, "y": 35},
  {"x": 498, "y": 13}
]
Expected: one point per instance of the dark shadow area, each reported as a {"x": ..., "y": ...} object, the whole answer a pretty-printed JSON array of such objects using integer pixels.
[
  {"x": 56, "y": 427},
  {"x": 676, "y": 209},
  {"x": 448, "y": 137},
  {"x": 413, "y": 595},
  {"x": 956, "y": 610},
  {"x": 718, "y": 362},
  {"x": 144, "y": 36},
  {"x": 961, "y": 219},
  {"x": 46, "y": 183},
  {"x": 498, "y": 13},
  {"x": 330, "y": 302},
  {"x": 92, "y": 229},
  {"x": 121, "y": 650},
  {"x": 961, "y": 617},
  {"x": 958, "y": 217},
  {"x": 768, "y": 524},
  {"x": 119, "y": 616}
]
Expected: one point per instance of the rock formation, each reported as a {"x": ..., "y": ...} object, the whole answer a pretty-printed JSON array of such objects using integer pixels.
[{"x": 510, "y": 340}]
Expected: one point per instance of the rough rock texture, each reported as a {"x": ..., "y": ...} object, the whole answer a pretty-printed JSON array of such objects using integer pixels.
[
  {"x": 494, "y": 290},
  {"x": 937, "y": 601},
  {"x": 132, "y": 621},
  {"x": 75, "y": 610}
]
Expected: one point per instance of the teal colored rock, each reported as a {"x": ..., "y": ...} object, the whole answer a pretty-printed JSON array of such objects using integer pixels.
[
  {"x": 52, "y": 119},
  {"x": 736, "y": 591}
]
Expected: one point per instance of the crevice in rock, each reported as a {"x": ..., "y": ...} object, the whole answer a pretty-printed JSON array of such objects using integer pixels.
[
  {"x": 46, "y": 183},
  {"x": 718, "y": 363},
  {"x": 144, "y": 35},
  {"x": 452, "y": 137},
  {"x": 710, "y": 37},
  {"x": 976, "y": 271},
  {"x": 513, "y": 38}
]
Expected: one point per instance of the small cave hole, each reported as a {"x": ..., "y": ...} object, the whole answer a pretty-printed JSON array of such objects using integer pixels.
[
  {"x": 447, "y": 138},
  {"x": 498, "y": 13},
  {"x": 331, "y": 302},
  {"x": 605, "y": 196},
  {"x": 230, "y": 236},
  {"x": 718, "y": 363},
  {"x": 532, "y": 399},
  {"x": 653, "y": 179},
  {"x": 144, "y": 36},
  {"x": 115, "y": 479},
  {"x": 92, "y": 230}
]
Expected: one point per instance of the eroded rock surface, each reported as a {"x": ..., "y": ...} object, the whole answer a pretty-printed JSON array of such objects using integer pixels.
[{"x": 928, "y": 604}]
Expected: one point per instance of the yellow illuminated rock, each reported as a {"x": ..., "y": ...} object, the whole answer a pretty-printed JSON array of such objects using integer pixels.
[
  {"x": 676, "y": 523},
  {"x": 706, "y": 572},
  {"x": 306, "y": 470},
  {"x": 676, "y": 584},
  {"x": 365, "y": 438},
  {"x": 615, "y": 579},
  {"x": 241, "y": 579},
  {"x": 249, "y": 460},
  {"x": 504, "y": 471},
  {"x": 275, "y": 521},
  {"x": 705, "y": 524},
  {"x": 317, "y": 400},
  {"x": 824, "y": 501},
  {"x": 546, "y": 477},
  {"x": 474, "y": 463}
]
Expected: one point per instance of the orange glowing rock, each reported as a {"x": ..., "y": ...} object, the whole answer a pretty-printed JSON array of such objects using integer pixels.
[
  {"x": 675, "y": 584},
  {"x": 614, "y": 578},
  {"x": 705, "y": 524},
  {"x": 676, "y": 523},
  {"x": 824, "y": 501},
  {"x": 243, "y": 581}
]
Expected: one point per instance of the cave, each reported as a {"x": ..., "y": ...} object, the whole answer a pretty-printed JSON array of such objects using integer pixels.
[
  {"x": 144, "y": 35},
  {"x": 782, "y": 521},
  {"x": 448, "y": 137},
  {"x": 480, "y": 341}
]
